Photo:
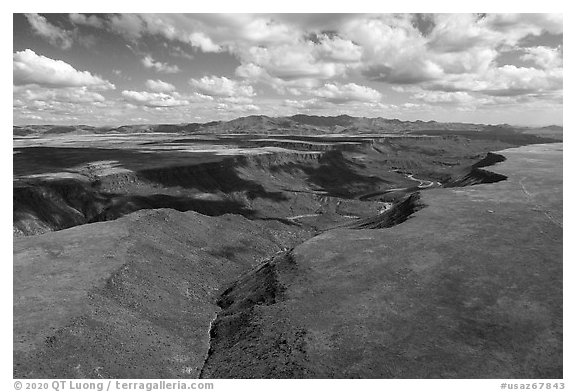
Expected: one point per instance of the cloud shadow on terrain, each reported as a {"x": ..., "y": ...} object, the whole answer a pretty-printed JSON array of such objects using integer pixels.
[
  {"x": 66, "y": 203},
  {"x": 124, "y": 205},
  {"x": 38, "y": 160},
  {"x": 334, "y": 175},
  {"x": 210, "y": 177}
]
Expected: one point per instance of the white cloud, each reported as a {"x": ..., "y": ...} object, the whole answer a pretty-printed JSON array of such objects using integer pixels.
[
  {"x": 258, "y": 29},
  {"x": 158, "y": 66},
  {"x": 68, "y": 94},
  {"x": 203, "y": 42},
  {"x": 159, "y": 86},
  {"x": 454, "y": 61},
  {"x": 507, "y": 80},
  {"x": 256, "y": 73},
  {"x": 237, "y": 100},
  {"x": 305, "y": 104},
  {"x": 459, "y": 46},
  {"x": 209, "y": 31},
  {"x": 434, "y": 97},
  {"x": 154, "y": 99},
  {"x": 471, "y": 60},
  {"x": 30, "y": 68},
  {"x": 543, "y": 56},
  {"x": 277, "y": 45},
  {"x": 338, "y": 49},
  {"x": 517, "y": 26},
  {"x": 221, "y": 87},
  {"x": 130, "y": 26},
  {"x": 163, "y": 100},
  {"x": 232, "y": 107},
  {"x": 293, "y": 61},
  {"x": 394, "y": 51},
  {"x": 511, "y": 80},
  {"x": 81, "y": 19},
  {"x": 342, "y": 93},
  {"x": 53, "y": 34},
  {"x": 251, "y": 71},
  {"x": 461, "y": 32},
  {"x": 386, "y": 48}
]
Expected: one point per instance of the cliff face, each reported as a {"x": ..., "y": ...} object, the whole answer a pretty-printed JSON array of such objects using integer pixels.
[
  {"x": 277, "y": 184},
  {"x": 475, "y": 175},
  {"x": 211, "y": 188}
]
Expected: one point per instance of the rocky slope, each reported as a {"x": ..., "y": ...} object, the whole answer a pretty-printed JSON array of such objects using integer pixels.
[{"x": 133, "y": 298}]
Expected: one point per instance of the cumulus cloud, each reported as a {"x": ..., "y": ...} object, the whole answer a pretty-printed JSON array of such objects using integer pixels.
[
  {"x": 543, "y": 56},
  {"x": 305, "y": 104},
  {"x": 67, "y": 94},
  {"x": 31, "y": 68},
  {"x": 158, "y": 66},
  {"x": 283, "y": 50},
  {"x": 279, "y": 46},
  {"x": 258, "y": 29},
  {"x": 256, "y": 74},
  {"x": 153, "y": 99},
  {"x": 163, "y": 100},
  {"x": 159, "y": 86},
  {"x": 460, "y": 32},
  {"x": 61, "y": 105},
  {"x": 301, "y": 60},
  {"x": 239, "y": 108},
  {"x": 53, "y": 34},
  {"x": 308, "y": 56},
  {"x": 342, "y": 93},
  {"x": 251, "y": 71},
  {"x": 203, "y": 42},
  {"x": 82, "y": 19},
  {"x": 130, "y": 26},
  {"x": 457, "y": 46},
  {"x": 517, "y": 26},
  {"x": 512, "y": 80},
  {"x": 439, "y": 60},
  {"x": 508, "y": 80},
  {"x": 458, "y": 97},
  {"x": 338, "y": 49},
  {"x": 394, "y": 50},
  {"x": 221, "y": 87},
  {"x": 417, "y": 71},
  {"x": 388, "y": 48}
]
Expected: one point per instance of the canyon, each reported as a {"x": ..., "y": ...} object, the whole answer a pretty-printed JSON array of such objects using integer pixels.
[{"x": 344, "y": 248}]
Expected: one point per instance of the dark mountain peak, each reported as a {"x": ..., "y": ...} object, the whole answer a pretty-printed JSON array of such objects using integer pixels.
[
  {"x": 296, "y": 124},
  {"x": 322, "y": 121}
]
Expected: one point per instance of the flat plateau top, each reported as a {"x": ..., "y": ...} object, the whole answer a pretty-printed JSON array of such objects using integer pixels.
[{"x": 469, "y": 287}]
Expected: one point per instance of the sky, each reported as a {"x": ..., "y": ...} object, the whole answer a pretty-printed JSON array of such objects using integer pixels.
[{"x": 114, "y": 69}]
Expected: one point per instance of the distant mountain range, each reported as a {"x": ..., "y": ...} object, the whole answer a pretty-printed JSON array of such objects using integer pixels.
[{"x": 299, "y": 124}]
